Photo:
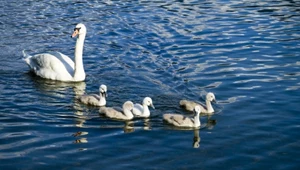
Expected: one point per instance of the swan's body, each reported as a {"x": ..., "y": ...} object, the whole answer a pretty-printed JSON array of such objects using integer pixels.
[
  {"x": 126, "y": 114},
  {"x": 57, "y": 66},
  {"x": 94, "y": 99},
  {"x": 143, "y": 110},
  {"x": 184, "y": 121},
  {"x": 208, "y": 109}
]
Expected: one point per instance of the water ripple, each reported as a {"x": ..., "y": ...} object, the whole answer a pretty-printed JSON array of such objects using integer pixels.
[{"x": 246, "y": 52}]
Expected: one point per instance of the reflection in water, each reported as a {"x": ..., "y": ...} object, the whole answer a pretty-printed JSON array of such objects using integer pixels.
[
  {"x": 147, "y": 125},
  {"x": 128, "y": 127},
  {"x": 196, "y": 139},
  {"x": 80, "y": 133},
  {"x": 57, "y": 88},
  {"x": 80, "y": 118},
  {"x": 81, "y": 140},
  {"x": 210, "y": 123},
  {"x": 61, "y": 90}
]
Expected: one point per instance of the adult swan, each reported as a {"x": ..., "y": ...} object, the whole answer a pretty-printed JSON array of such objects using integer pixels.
[{"x": 57, "y": 66}]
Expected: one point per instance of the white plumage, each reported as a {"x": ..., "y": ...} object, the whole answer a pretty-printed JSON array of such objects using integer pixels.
[
  {"x": 57, "y": 66},
  {"x": 143, "y": 110}
]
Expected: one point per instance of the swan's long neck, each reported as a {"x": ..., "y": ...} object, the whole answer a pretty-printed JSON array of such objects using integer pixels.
[
  {"x": 102, "y": 100},
  {"x": 128, "y": 113},
  {"x": 210, "y": 109},
  {"x": 197, "y": 119},
  {"x": 146, "y": 111},
  {"x": 79, "y": 74}
]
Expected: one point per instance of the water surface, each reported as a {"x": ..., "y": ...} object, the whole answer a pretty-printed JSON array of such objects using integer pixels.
[{"x": 246, "y": 52}]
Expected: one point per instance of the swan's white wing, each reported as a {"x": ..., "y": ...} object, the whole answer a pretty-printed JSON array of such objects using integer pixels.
[
  {"x": 66, "y": 60},
  {"x": 68, "y": 64},
  {"x": 137, "y": 109},
  {"x": 55, "y": 66}
]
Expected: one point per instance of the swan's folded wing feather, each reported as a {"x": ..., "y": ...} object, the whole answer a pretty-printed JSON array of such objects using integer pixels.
[
  {"x": 137, "y": 109},
  {"x": 190, "y": 105},
  {"x": 92, "y": 99},
  {"x": 178, "y": 120},
  {"x": 51, "y": 67}
]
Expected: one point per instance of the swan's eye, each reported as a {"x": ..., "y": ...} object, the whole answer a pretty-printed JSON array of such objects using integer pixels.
[{"x": 76, "y": 29}]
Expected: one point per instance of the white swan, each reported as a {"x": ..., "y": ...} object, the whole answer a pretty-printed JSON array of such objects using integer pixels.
[
  {"x": 184, "y": 121},
  {"x": 57, "y": 66},
  {"x": 126, "y": 114},
  {"x": 143, "y": 110},
  {"x": 208, "y": 109},
  {"x": 94, "y": 99}
]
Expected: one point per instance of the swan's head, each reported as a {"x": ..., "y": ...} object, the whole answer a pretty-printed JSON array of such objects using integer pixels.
[
  {"x": 103, "y": 90},
  {"x": 80, "y": 29},
  {"x": 128, "y": 105},
  {"x": 210, "y": 97},
  {"x": 197, "y": 110},
  {"x": 148, "y": 101}
]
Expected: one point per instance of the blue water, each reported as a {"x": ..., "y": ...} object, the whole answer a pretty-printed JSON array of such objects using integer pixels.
[{"x": 245, "y": 52}]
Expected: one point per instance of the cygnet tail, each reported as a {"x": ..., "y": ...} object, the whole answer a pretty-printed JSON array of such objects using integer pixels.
[
  {"x": 26, "y": 57},
  {"x": 167, "y": 117},
  {"x": 183, "y": 102}
]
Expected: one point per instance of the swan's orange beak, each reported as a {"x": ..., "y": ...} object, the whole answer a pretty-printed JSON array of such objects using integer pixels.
[{"x": 75, "y": 33}]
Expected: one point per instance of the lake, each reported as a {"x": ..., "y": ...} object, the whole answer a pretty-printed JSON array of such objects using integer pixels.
[{"x": 245, "y": 52}]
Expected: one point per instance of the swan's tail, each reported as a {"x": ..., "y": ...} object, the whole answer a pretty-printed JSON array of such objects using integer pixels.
[{"x": 26, "y": 57}]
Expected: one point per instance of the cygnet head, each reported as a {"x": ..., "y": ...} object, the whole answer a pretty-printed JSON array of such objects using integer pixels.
[
  {"x": 103, "y": 90},
  {"x": 148, "y": 101},
  {"x": 80, "y": 29},
  {"x": 197, "y": 110},
  {"x": 210, "y": 97},
  {"x": 128, "y": 105}
]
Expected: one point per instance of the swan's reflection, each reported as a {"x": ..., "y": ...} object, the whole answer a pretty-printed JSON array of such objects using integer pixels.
[
  {"x": 80, "y": 113},
  {"x": 80, "y": 140},
  {"x": 79, "y": 122},
  {"x": 57, "y": 88},
  {"x": 147, "y": 125},
  {"x": 210, "y": 123},
  {"x": 196, "y": 139},
  {"x": 128, "y": 127},
  {"x": 60, "y": 89},
  {"x": 80, "y": 133},
  {"x": 80, "y": 118}
]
